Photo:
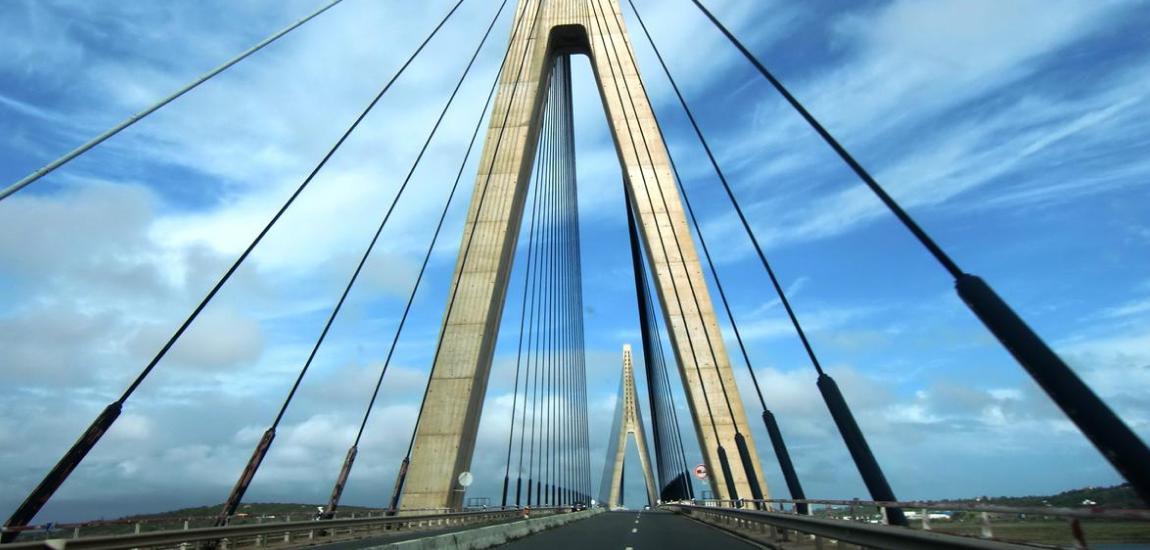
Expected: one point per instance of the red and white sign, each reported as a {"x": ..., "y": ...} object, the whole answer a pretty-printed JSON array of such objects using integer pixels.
[{"x": 701, "y": 471}]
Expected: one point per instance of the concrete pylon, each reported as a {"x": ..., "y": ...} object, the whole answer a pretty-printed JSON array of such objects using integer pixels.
[
  {"x": 445, "y": 438},
  {"x": 629, "y": 421}
]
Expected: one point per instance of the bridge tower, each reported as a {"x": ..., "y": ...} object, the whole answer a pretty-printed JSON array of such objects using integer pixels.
[
  {"x": 628, "y": 421},
  {"x": 446, "y": 433}
]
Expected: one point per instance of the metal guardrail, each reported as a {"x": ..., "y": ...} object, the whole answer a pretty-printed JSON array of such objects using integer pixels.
[
  {"x": 280, "y": 535},
  {"x": 1088, "y": 512},
  {"x": 776, "y": 525},
  {"x": 987, "y": 513},
  {"x": 140, "y": 523}
]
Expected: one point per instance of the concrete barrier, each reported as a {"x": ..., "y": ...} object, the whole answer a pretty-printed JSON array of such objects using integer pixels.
[{"x": 487, "y": 537}]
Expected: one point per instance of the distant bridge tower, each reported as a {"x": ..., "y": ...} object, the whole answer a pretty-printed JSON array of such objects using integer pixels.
[
  {"x": 628, "y": 421},
  {"x": 446, "y": 433}
]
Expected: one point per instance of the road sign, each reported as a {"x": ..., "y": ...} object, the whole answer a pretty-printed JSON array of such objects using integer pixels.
[
  {"x": 465, "y": 479},
  {"x": 701, "y": 472}
]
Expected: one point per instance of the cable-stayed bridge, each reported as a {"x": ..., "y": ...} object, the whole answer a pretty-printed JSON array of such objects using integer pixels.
[{"x": 526, "y": 190}]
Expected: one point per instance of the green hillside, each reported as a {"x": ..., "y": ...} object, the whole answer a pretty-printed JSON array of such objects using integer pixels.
[
  {"x": 254, "y": 510},
  {"x": 1118, "y": 497}
]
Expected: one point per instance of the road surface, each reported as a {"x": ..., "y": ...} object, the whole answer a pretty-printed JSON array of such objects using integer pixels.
[{"x": 631, "y": 530}]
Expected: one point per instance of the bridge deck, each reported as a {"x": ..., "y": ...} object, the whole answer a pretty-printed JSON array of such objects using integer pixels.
[
  {"x": 401, "y": 536},
  {"x": 632, "y": 530}
]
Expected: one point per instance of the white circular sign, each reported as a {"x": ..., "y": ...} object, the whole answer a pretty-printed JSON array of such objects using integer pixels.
[
  {"x": 465, "y": 479},
  {"x": 701, "y": 471}
]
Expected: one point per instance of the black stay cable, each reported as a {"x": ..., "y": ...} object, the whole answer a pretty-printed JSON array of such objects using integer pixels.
[
  {"x": 658, "y": 376},
  {"x": 266, "y": 441},
  {"x": 566, "y": 278},
  {"x": 662, "y": 362},
  {"x": 659, "y": 359},
  {"x": 123, "y": 125},
  {"x": 557, "y": 282},
  {"x": 544, "y": 180},
  {"x": 570, "y": 286},
  {"x": 654, "y": 389},
  {"x": 542, "y": 488},
  {"x": 724, "y": 463},
  {"x": 730, "y": 194},
  {"x": 581, "y": 464},
  {"x": 533, "y": 280},
  {"x": 581, "y": 364},
  {"x": 862, "y": 173},
  {"x": 532, "y": 335},
  {"x": 565, "y": 318},
  {"x": 659, "y": 399},
  {"x": 853, "y": 437},
  {"x": 528, "y": 287},
  {"x": 777, "y": 441},
  {"x": 60, "y": 472},
  {"x": 661, "y": 373},
  {"x": 572, "y": 278},
  {"x": 546, "y": 417},
  {"x": 548, "y": 318},
  {"x": 402, "y": 474},
  {"x": 1113, "y": 438},
  {"x": 560, "y": 281},
  {"x": 748, "y": 463},
  {"x": 337, "y": 490},
  {"x": 571, "y": 224}
]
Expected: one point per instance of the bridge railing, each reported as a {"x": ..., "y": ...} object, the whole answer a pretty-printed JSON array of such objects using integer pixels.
[
  {"x": 781, "y": 527},
  {"x": 283, "y": 534},
  {"x": 950, "y": 518},
  {"x": 137, "y": 525}
]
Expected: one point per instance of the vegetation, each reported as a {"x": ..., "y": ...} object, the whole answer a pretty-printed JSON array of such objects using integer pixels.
[
  {"x": 1033, "y": 528},
  {"x": 201, "y": 516},
  {"x": 267, "y": 510},
  {"x": 1116, "y": 497},
  {"x": 1051, "y": 531},
  {"x": 1015, "y": 527}
]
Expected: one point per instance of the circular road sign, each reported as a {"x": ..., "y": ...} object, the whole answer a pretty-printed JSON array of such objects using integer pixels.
[
  {"x": 701, "y": 471},
  {"x": 465, "y": 479}
]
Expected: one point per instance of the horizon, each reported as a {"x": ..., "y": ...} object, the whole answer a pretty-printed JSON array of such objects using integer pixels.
[{"x": 1015, "y": 133}]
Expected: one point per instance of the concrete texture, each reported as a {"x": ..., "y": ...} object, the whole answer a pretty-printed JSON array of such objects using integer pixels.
[
  {"x": 631, "y": 423},
  {"x": 446, "y": 432},
  {"x": 490, "y": 536}
]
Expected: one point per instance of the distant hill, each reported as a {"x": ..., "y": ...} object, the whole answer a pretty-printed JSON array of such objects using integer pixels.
[
  {"x": 254, "y": 509},
  {"x": 200, "y": 516},
  {"x": 1117, "y": 496}
]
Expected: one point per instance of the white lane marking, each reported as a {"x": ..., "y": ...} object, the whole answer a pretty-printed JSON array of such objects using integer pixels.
[{"x": 628, "y": 548}]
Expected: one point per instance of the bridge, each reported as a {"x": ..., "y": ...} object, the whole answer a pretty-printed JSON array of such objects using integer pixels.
[{"x": 521, "y": 247}]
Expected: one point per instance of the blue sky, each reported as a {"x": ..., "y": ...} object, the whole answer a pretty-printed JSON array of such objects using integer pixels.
[{"x": 1015, "y": 133}]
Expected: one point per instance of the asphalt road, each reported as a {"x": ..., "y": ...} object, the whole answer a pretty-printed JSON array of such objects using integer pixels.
[{"x": 631, "y": 530}]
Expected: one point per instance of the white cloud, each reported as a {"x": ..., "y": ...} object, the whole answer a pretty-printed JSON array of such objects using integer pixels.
[
  {"x": 1132, "y": 309},
  {"x": 96, "y": 272},
  {"x": 908, "y": 66}
]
